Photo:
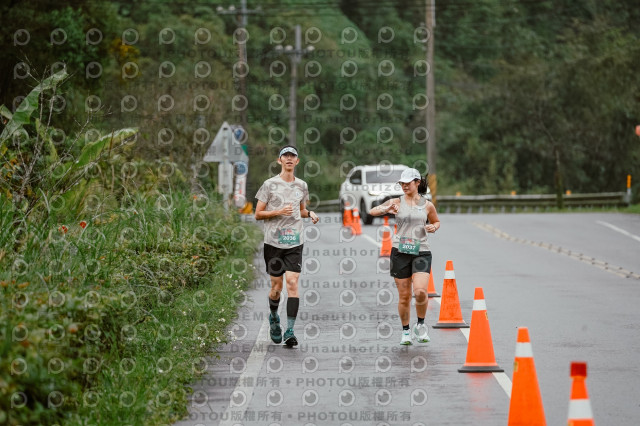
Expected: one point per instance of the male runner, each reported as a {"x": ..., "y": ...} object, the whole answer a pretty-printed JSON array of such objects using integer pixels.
[{"x": 281, "y": 204}]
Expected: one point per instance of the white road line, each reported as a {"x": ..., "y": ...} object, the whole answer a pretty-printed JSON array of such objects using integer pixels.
[
  {"x": 372, "y": 240},
  {"x": 503, "y": 380},
  {"x": 465, "y": 332},
  {"x": 605, "y": 266},
  {"x": 254, "y": 365},
  {"x": 252, "y": 370},
  {"x": 620, "y": 230}
]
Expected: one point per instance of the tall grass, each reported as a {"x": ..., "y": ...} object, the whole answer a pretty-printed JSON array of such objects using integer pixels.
[{"x": 106, "y": 317}]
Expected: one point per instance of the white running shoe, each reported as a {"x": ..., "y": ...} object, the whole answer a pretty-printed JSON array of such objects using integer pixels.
[
  {"x": 406, "y": 337},
  {"x": 421, "y": 332}
]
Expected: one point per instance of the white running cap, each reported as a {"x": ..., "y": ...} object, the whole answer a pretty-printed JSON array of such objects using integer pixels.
[{"x": 409, "y": 175}]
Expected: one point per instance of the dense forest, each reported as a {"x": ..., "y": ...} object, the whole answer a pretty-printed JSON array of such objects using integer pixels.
[
  {"x": 531, "y": 96},
  {"x": 119, "y": 269}
]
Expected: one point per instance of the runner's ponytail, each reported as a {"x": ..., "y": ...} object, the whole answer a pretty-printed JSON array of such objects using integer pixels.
[{"x": 422, "y": 186}]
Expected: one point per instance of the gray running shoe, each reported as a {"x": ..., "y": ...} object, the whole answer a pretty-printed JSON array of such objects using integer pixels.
[
  {"x": 406, "y": 337},
  {"x": 421, "y": 333}
]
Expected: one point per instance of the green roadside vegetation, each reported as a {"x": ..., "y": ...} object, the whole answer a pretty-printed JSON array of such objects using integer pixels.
[
  {"x": 634, "y": 208},
  {"x": 116, "y": 281},
  {"x": 107, "y": 317}
]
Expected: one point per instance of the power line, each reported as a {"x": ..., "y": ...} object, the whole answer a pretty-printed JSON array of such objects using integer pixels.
[{"x": 243, "y": 20}]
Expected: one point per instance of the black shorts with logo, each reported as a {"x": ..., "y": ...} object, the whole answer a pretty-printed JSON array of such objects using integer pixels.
[
  {"x": 404, "y": 265},
  {"x": 279, "y": 260}
]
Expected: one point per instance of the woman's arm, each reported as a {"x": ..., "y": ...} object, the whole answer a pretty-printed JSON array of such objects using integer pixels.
[
  {"x": 434, "y": 221},
  {"x": 389, "y": 206}
]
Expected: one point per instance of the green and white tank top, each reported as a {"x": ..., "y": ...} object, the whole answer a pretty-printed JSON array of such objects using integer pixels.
[{"x": 412, "y": 236}]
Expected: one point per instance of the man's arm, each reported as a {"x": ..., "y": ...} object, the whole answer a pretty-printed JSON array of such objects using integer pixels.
[
  {"x": 262, "y": 214},
  {"x": 308, "y": 213}
]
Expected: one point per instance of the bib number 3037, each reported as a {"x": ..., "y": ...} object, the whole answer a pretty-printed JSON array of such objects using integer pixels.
[
  {"x": 288, "y": 236},
  {"x": 409, "y": 245}
]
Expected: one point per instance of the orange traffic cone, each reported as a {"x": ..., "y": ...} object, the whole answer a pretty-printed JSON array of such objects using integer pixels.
[
  {"x": 480, "y": 357},
  {"x": 526, "y": 403},
  {"x": 431, "y": 289},
  {"x": 355, "y": 224},
  {"x": 385, "y": 249},
  {"x": 580, "y": 413},
  {"x": 347, "y": 215},
  {"x": 450, "y": 313}
]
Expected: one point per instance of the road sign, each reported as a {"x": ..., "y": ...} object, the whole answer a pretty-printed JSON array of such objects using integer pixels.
[
  {"x": 227, "y": 150},
  {"x": 225, "y": 146},
  {"x": 241, "y": 168}
]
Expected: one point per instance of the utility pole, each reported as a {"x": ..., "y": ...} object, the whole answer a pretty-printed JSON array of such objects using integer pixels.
[
  {"x": 243, "y": 21},
  {"x": 295, "y": 56},
  {"x": 431, "y": 106}
]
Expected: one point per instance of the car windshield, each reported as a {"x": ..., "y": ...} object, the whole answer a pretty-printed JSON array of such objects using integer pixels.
[{"x": 384, "y": 176}]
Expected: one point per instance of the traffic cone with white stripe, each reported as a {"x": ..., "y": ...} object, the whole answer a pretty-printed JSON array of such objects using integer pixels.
[
  {"x": 431, "y": 288},
  {"x": 347, "y": 216},
  {"x": 525, "y": 407},
  {"x": 580, "y": 413},
  {"x": 356, "y": 227},
  {"x": 450, "y": 312},
  {"x": 385, "y": 249},
  {"x": 480, "y": 357}
]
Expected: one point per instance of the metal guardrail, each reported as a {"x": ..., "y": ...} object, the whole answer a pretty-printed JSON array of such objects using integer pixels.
[
  {"x": 510, "y": 203},
  {"x": 328, "y": 206}
]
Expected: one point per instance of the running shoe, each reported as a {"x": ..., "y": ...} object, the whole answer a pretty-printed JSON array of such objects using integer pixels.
[
  {"x": 406, "y": 337},
  {"x": 275, "y": 331},
  {"x": 289, "y": 338},
  {"x": 421, "y": 333}
]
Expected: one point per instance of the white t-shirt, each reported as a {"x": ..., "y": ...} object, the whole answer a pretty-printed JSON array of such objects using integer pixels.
[{"x": 283, "y": 231}]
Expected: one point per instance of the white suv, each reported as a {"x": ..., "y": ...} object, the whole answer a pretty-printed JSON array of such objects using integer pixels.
[{"x": 369, "y": 186}]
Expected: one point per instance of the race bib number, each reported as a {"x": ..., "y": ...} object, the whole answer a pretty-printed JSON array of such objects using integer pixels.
[
  {"x": 409, "y": 245},
  {"x": 288, "y": 236}
]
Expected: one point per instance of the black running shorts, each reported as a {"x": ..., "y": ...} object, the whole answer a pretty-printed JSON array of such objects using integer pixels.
[
  {"x": 404, "y": 265},
  {"x": 279, "y": 260}
]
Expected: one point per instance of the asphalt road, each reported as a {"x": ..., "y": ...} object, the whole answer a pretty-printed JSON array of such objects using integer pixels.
[{"x": 572, "y": 279}]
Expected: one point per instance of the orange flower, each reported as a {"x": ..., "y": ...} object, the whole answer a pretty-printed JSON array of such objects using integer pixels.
[
  {"x": 83, "y": 224},
  {"x": 73, "y": 328},
  {"x": 63, "y": 229},
  {"x": 195, "y": 257},
  {"x": 23, "y": 285}
]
